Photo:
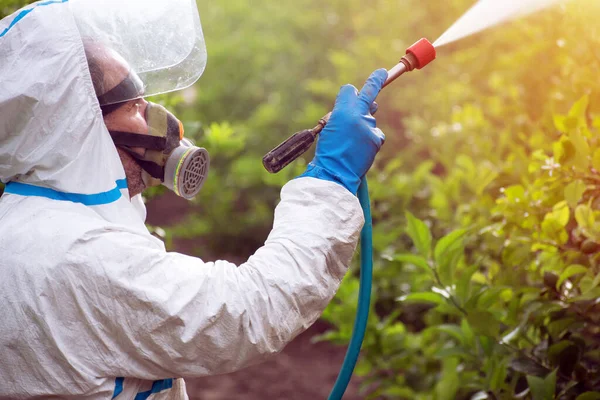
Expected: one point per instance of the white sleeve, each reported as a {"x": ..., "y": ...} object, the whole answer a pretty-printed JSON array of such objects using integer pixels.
[{"x": 143, "y": 312}]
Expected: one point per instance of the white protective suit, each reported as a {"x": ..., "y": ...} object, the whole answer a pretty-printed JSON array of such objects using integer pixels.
[{"x": 91, "y": 305}]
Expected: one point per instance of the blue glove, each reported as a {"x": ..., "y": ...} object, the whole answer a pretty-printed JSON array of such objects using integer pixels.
[{"x": 349, "y": 142}]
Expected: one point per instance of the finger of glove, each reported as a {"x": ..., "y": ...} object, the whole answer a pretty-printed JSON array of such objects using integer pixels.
[
  {"x": 346, "y": 94},
  {"x": 372, "y": 86},
  {"x": 373, "y": 108}
]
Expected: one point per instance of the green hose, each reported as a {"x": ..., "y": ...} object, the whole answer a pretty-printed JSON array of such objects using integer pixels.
[{"x": 364, "y": 296}]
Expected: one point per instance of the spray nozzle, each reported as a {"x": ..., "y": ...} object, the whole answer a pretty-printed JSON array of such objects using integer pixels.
[
  {"x": 423, "y": 52},
  {"x": 417, "y": 56}
]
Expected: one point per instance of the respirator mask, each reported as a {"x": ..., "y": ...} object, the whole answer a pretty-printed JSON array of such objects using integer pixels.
[
  {"x": 169, "y": 158},
  {"x": 162, "y": 46}
]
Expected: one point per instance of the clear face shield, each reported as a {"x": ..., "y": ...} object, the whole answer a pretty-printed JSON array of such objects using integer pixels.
[{"x": 139, "y": 48}]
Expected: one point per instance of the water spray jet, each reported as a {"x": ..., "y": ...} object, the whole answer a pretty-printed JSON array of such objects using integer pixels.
[{"x": 488, "y": 13}]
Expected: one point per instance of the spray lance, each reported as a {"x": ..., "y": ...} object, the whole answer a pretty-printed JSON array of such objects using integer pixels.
[{"x": 417, "y": 56}]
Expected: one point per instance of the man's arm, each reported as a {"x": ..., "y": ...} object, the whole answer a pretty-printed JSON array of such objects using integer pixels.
[{"x": 139, "y": 311}]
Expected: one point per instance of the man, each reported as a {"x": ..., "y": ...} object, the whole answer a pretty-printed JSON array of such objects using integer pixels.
[{"x": 93, "y": 306}]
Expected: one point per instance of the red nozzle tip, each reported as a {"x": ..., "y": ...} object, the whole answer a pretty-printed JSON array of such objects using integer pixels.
[{"x": 423, "y": 51}]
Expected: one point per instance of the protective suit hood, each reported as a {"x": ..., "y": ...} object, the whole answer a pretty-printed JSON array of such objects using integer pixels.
[
  {"x": 52, "y": 135},
  {"x": 53, "y": 141}
]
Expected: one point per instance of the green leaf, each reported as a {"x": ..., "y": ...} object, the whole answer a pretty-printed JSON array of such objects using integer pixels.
[
  {"x": 589, "y": 396},
  {"x": 553, "y": 229},
  {"x": 448, "y": 385},
  {"x": 448, "y": 251},
  {"x": 550, "y": 383},
  {"x": 453, "y": 330},
  {"x": 582, "y": 148},
  {"x": 494, "y": 295},
  {"x": 559, "y": 123},
  {"x": 485, "y": 178},
  {"x": 542, "y": 389},
  {"x": 484, "y": 323},
  {"x": 453, "y": 352},
  {"x": 587, "y": 283},
  {"x": 570, "y": 271},
  {"x": 515, "y": 193},
  {"x": 561, "y": 212},
  {"x": 414, "y": 259},
  {"x": 467, "y": 332},
  {"x": 555, "y": 221},
  {"x": 579, "y": 109},
  {"x": 574, "y": 191},
  {"x": 395, "y": 329},
  {"x": 419, "y": 233},
  {"x": 423, "y": 297},
  {"x": 571, "y": 123},
  {"x": 556, "y": 328},
  {"x": 563, "y": 150},
  {"x": 498, "y": 375},
  {"x": 463, "y": 286},
  {"x": 584, "y": 216}
]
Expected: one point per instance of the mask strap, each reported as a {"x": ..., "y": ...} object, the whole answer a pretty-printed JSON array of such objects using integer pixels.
[
  {"x": 131, "y": 139},
  {"x": 126, "y": 140},
  {"x": 155, "y": 170},
  {"x": 152, "y": 168},
  {"x": 128, "y": 89}
]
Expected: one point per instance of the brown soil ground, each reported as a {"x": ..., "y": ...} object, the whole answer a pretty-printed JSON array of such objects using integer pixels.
[{"x": 304, "y": 370}]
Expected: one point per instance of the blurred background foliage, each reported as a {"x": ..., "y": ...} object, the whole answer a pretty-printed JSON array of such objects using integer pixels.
[{"x": 486, "y": 195}]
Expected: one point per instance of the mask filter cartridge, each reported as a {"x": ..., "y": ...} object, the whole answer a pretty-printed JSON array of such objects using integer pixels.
[{"x": 186, "y": 169}]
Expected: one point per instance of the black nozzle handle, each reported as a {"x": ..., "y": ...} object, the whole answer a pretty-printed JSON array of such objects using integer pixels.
[
  {"x": 282, "y": 155},
  {"x": 288, "y": 151}
]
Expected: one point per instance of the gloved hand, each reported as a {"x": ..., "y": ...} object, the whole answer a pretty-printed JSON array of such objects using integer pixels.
[{"x": 349, "y": 142}]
